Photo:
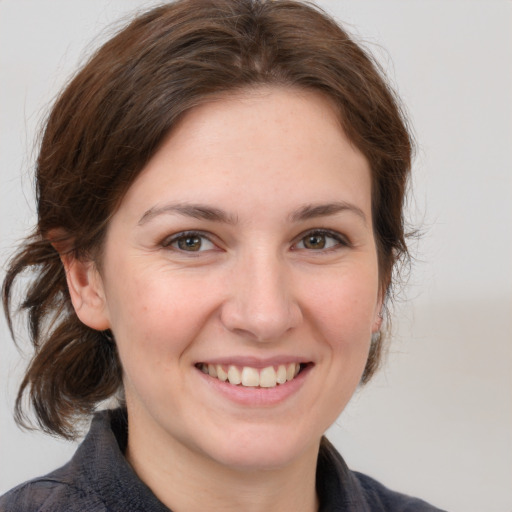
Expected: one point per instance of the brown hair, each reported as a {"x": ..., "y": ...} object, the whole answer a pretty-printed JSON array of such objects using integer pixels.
[{"x": 112, "y": 117}]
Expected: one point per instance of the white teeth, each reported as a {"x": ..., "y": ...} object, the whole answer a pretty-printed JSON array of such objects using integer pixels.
[
  {"x": 234, "y": 376},
  {"x": 290, "y": 371},
  {"x": 267, "y": 377},
  {"x": 281, "y": 374},
  {"x": 250, "y": 377},
  {"x": 221, "y": 374}
]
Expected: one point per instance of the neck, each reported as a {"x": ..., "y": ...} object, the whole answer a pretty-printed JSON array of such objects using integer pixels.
[{"x": 185, "y": 480}]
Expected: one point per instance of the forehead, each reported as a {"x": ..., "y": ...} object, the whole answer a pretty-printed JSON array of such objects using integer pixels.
[
  {"x": 257, "y": 145},
  {"x": 266, "y": 116}
]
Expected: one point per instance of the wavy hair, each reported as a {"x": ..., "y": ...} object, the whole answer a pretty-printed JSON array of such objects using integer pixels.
[{"x": 111, "y": 119}]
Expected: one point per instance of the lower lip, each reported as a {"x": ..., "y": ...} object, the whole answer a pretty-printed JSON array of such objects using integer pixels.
[{"x": 256, "y": 396}]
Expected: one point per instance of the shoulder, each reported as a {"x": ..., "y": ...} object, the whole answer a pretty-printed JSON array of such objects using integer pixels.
[
  {"x": 46, "y": 495},
  {"x": 339, "y": 488},
  {"x": 382, "y": 498},
  {"x": 97, "y": 479},
  {"x": 49, "y": 494}
]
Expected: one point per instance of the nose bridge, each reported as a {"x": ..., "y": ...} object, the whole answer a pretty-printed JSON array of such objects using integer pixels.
[{"x": 262, "y": 303}]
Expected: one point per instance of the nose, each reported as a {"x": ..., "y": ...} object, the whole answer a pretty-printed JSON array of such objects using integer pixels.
[{"x": 261, "y": 303}]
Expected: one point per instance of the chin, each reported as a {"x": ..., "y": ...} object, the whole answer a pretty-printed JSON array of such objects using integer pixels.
[{"x": 262, "y": 449}]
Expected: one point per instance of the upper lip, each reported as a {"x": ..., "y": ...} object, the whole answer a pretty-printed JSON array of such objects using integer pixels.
[{"x": 255, "y": 362}]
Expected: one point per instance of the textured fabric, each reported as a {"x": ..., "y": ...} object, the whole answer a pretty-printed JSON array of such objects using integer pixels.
[
  {"x": 99, "y": 479},
  {"x": 342, "y": 490}
]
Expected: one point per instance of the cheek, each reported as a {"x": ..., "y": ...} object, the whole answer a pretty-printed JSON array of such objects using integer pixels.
[
  {"x": 155, "y": 314},
  {"x": 344, "y": 307},
  {"x": 343, "y": 314},
  {"x": 153, "y": 326}
]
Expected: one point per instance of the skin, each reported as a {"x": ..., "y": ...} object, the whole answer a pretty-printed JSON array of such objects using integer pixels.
[{"x": 255, "y": 289}]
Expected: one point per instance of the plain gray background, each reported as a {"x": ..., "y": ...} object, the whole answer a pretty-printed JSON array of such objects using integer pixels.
[{"x": 437, "y": 421}]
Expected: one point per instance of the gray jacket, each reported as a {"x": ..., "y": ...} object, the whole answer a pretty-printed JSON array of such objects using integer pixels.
[{"x": 99, "y": 479}]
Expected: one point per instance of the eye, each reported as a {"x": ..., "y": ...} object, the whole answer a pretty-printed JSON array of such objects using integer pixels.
[
  {"x": 189, "y": 242},
  {"x": 319, "y": 240}
]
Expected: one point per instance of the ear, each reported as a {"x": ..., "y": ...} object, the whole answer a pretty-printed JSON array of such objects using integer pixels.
[{"x": 87, "y": 292}]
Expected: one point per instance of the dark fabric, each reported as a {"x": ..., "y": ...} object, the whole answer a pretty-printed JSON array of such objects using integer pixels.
[
  {"x": 99, "y": 479},
  {"x": 340, "y": 489}
]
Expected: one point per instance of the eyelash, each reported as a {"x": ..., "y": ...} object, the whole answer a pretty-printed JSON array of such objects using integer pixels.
[
  {"x": 169, "y": 241},
  {"x": 341, "y": 241}
]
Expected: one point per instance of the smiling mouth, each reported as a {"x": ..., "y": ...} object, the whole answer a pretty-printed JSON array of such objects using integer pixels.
[{"x": 247, "y": 376}]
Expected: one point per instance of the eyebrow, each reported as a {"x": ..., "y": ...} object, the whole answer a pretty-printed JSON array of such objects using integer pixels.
[
  {"x": 196, "y": 211},
  {"x": 204, "y": 212},
  {"x": 311, "y": 211}
]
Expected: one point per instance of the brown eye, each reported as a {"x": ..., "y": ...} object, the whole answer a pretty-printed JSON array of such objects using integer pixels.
[
  {"x": 314, "y": 241},
  {"x": 321, "y": 240},
  {"x": 189, "y": 243}
]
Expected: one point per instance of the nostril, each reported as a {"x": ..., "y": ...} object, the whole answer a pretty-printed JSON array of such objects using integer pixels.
[{"x": 262, "y": 323}]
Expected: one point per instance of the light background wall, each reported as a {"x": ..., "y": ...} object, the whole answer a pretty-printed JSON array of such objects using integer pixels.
[{"x": 437, "y": 421}]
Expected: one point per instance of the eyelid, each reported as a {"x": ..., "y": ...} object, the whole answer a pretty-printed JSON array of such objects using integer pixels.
[
  {"x": 167, "y": 242},
  {"x": 342, "y": 240}
]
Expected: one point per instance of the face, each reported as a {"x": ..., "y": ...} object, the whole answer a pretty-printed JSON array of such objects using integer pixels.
[{"x": 240, "y": 280}]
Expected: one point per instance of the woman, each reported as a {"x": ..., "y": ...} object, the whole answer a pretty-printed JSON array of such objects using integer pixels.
[{"x": 220, "y": 195}]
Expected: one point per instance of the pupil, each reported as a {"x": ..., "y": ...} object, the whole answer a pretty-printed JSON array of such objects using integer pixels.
[
  {"x": 189, "y": 243},
  {"x": 315, "y": 242}
]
